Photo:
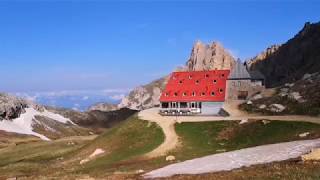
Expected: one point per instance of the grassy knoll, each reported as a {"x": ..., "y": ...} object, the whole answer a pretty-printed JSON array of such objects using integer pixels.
[{"x": 205, "y": 138}]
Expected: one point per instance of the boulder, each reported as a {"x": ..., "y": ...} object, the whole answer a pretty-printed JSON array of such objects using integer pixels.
[
  {"x": 262, "y": 106},
  {"x": 257, "y": 96},
  {"x": 277, "y": 107},
  {"x": 296, "y": 96},
  {"x": 304, "y": 134},
  {"x": 170, "y": 158}
]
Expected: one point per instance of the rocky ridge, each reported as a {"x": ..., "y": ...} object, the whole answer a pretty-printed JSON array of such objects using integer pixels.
[{"x": 290, "y": 61}]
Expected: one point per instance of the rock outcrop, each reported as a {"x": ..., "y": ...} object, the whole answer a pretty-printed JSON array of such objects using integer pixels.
[
  {"x": 11, "y": 107},
  {"x": 144, "y": 96},
  {"x": 263, "y": 55},
  {"x": 209, "y": 57},
  {"x": 203, "y": 57},
  {"x": 292, "y": 60}
]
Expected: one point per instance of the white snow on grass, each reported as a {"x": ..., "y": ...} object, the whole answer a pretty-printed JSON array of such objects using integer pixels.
[
  {"x": 23, "y": 124},
  {"x": 237, "y": 159}
]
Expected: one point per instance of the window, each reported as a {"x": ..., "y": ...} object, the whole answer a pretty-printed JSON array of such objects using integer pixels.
[
  {"x": 207, "y": 75},
  {"x": 197, "y": 81},
  {"x": 180, "y": 82},
  {"x": 239, "y": 83},
  {"x": 190, "y": 76},
  {"x": 166, "y": 94},
  {"x": 234, "y": 84},
  {"x": 212, "y": 93},
  {"x": 184, "y": 94},
  {"x": 175, "y": 94},
  {"x": 222, "y": 75},
  {"x": 221, "y": 90},
  {"x": 193, "y": 93},
  {"x": 203, "y": 94},
  {"x": 214, "y": 81}
]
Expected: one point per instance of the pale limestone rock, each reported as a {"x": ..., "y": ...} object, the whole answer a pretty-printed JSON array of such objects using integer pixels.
[
  {"x": 304, "y": 134},
  {"x": 263, "y": 55},
  {"x": 92, "y": 156},
  {"x": 209, "y": 57},
  {"x": 262, "y": 106},
  {"x": 257, "y": 96},
  {"x": 170, "y": 158},
  {"x": 277, "y": 107}
]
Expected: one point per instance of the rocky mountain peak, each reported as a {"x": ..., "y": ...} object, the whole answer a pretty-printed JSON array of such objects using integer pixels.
[
  {"x": 263, "y": 55},
  {"x": 209, "y": 56},
  {"x": 11, "y": 107}
]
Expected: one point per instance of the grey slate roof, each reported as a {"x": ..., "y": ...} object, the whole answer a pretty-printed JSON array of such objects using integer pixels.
[{"x": 239, "y": 71}]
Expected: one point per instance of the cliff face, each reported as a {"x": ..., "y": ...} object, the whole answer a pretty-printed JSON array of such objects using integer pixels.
[
  {"x": 203, "y": 57},
  {"x": 292, "y": 60},
  {"x": 209, "y": 57}
]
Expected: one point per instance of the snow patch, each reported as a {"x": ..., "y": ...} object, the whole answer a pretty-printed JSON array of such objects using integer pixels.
[{"x": 24, "y": 123}]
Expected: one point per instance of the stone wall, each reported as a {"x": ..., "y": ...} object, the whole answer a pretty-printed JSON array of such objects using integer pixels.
[{"x": 234, "y": 86}]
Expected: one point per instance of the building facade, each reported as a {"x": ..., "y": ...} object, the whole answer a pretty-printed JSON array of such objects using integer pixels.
[
  {"x": 194, "y": 92},
  {"x": 242, "y": 84}
]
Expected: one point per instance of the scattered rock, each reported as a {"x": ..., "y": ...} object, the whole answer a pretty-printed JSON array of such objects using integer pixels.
[
  {"x": 262, "y": 106},
  {"x": 265, "y": 122},
  {"x": 140, "y": 171},
  {"x": 84, "y": 161},
  {"x": 289, "y": 84},
  {"x": 306, "y": 76},
  {"x": 304, "y": 134},
  {"x": 277, "y": 107},
  {"x": 170, "y": 158},
  {"x": 221, "y": 150},
  {"x": 314, "y": 155},
  {"x": 296, "y": 96},
  {"x": 256, "y": 97},
  {"x": 96, "y": 153},
  {"x": 71, "y": 143},
  {"x": 12, "y": 178},
  {"x": 249, "y": 102},
  {"x": 243, "y": 121}
]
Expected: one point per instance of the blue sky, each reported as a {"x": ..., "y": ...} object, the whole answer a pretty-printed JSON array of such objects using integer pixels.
[{"x": 85, "y": 45}]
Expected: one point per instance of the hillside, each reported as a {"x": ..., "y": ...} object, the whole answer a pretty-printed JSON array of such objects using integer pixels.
[
  {"x": 202, "y": 57},
  {"x": 18, "y": 116},
  {"x": 292, "y": 60}
]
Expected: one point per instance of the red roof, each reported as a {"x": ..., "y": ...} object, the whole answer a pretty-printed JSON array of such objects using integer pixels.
[{"x": 196, "y": 86}]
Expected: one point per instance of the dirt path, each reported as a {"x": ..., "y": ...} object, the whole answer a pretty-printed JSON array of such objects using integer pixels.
[
  {"x": 237, "y": 159},
  {"x": 172, "y": 139}
]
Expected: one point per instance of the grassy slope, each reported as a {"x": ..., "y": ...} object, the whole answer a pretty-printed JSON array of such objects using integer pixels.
[
  {"x": 130, "y": 139},
  {"x": 32, "y": 158},
  {"x": 205, "y": 138},
  {"x": 124, "y": 142}
]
